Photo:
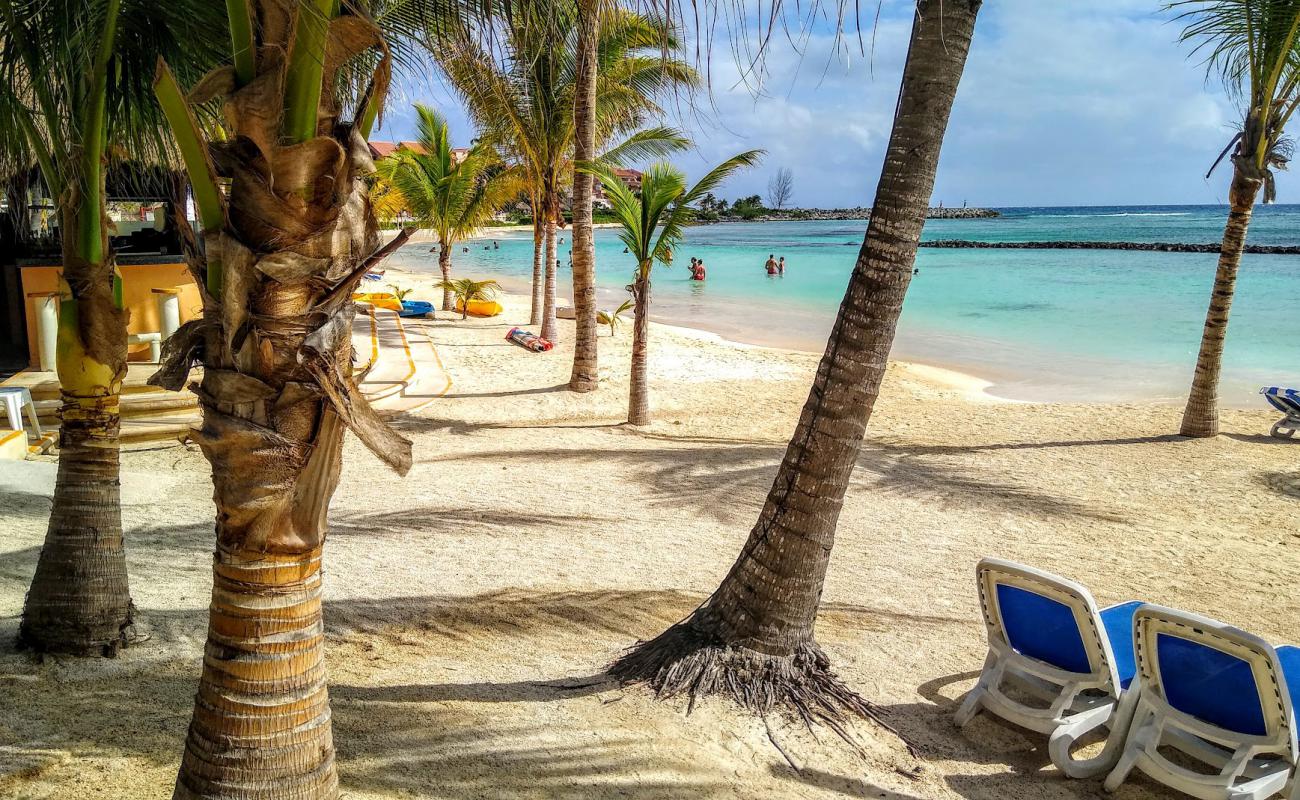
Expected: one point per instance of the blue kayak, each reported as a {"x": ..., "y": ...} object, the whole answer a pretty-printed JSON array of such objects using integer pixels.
[{"x": 416, "y": 308}]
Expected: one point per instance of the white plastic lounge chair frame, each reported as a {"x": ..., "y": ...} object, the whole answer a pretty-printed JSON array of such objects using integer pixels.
[
  {"x": 1078, "y": 703},
  {"x": 1243, "y": 774}
]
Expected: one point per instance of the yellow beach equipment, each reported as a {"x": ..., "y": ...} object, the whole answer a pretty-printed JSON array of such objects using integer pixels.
[
  {"x": 482, "y": 308},
  {"x": 386, "y": 300}
]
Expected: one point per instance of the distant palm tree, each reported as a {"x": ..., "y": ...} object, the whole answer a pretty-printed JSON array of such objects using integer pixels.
[
  {"x": 753, "y": 639},
  {"x": 651, "y": 224},
  {"x": 452, "y": 197},
  {"x": 1255, "y": 47},
  {"x": 523, "y": 99},
  {"x": 467, "y": 290},
  {"x": 75, "y": 87}
]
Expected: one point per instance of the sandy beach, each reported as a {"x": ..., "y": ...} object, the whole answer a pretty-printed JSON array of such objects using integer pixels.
[{"x": 471, "y": 606}]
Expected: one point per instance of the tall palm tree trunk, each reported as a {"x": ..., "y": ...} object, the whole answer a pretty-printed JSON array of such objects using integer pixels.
[
  {"x": 444, "y": 264},
  {"x": 638, "y": 396},
  {"x": 1201, "y": 415},
  {"x": 753, "y": 638},
  {"x": 548, "y": 296},
  {"x": 539, "y": 256},
  {"x": 585, "y": 375},
  {"x": 277, "y": 391}
]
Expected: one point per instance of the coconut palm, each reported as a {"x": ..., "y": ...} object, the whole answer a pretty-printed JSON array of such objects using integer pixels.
[
  {"x": 753, "y": 638},
  {"x": 467, "y": 290},
  {"x": 74, "y": 85},
  {"x": 585, "y": 374},
  {"x": 282, "y": 254},
  {"x": 651, "y": 224},
  {"x": 1254, "y": 45},
  {"x": 452, "y": 197},
  {"x": 523, "y": 99}
]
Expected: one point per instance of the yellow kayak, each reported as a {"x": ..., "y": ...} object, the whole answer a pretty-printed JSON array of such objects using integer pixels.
[
  {"x": 386, "y": 300},
  {"x": 482, "y": 308}
]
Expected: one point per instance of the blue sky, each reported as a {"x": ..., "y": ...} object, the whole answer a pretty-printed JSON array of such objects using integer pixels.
[{"x": 1063, "y": 103}]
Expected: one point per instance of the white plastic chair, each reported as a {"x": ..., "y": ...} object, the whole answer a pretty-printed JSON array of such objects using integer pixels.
[
  {"x": 1048, "y": 640},
  {"x": 1218, "y": 695},
  {"x": 16, "y": 398}
]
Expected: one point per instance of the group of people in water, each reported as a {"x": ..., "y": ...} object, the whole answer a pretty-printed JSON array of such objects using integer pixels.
[{"x": 774, "y": 267}]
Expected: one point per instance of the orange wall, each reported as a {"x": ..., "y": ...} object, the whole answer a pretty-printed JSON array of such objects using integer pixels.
[{"x": 138, "y": 283}]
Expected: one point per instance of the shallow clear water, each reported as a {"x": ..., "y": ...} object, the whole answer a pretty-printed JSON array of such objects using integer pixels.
[{"x": 1040, "y": 324}]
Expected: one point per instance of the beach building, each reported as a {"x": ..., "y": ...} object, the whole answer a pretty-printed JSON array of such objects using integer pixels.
[{"x": 631, "y": 179}]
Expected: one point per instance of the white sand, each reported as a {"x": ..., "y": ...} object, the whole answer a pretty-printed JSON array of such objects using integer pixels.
[{"x": 469, "y": 604}]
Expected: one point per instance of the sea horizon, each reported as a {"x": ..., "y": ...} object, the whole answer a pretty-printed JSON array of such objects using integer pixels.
[{"x": 1038, "y": 325}]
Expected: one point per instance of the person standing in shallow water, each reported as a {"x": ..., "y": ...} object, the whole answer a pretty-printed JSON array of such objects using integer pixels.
[
  {"x": 697, "y": 270},
  {"x": 770, "y": 266},
  {"x": 780, "y": 266}
]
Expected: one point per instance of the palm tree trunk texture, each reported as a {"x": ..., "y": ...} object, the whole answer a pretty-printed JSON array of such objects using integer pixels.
[
  {"x": 638, "y": 396},
  {"x": 548, "y": 296},
  {"x": 444, "y": 264},
  {"x": 539, "y": 237},
  {"x": 277, "y": 392},
  {"x": 585, "y": 376},
  {"x": 1201, "y": 416},
  {"x": 753, "y": 638},
  {"x": 79, "y": 601}
]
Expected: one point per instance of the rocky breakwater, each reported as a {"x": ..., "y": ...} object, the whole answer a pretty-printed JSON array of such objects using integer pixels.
[
  {"x": 1154, "y": 247},
  {"x": 841, "y": 214}
]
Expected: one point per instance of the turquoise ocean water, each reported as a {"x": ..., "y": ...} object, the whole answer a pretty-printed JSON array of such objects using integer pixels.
[{"x": 1085, "y": 325}]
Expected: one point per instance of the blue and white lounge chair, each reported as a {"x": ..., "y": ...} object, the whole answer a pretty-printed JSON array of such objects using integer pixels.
[
  {"x": 1218, "y": 695},
  {"x": 1288, "y": 402},
  {"x": 1048, "y": 640}
]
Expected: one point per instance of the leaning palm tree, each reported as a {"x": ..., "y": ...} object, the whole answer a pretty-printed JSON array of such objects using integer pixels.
[
  {"x": 282, "y": 255},
  {"x": 651, "y": 224},
  {"x": 523, "y": 99},
  {"x": 753, "y": 638},
  {"x": 1254, "y": 45},
  {"x": 453, "y": 197},
  {"x": 74, "y": 85}
]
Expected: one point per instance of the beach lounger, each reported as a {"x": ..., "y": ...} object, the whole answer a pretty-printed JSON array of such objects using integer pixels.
[
  {"x": 1056, "y": 664},
  {"x": 1288, "y": 402},
  {"x": 1218, "y": 695}
]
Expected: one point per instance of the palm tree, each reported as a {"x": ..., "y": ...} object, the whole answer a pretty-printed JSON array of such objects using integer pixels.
[
  {"x": 74, "y": 83},
  {"x": 585, "y": 375},
  {"x": 753, "y": 638},
  {"x": 452, "y": 197},
  {"x": 524, "y": 98},
  {"x": 651, "y": 224},
  {"x": 1255, "y": 47},
  {"x": 467, "y": 290},
  {"x": 613, "y": 318},
  {"x": 282, "y": 255}
]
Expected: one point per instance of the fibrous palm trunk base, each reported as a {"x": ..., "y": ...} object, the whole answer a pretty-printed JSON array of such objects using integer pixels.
[
  {"x": 79, "y": 602},
  {"x": 691, "y": 659}
]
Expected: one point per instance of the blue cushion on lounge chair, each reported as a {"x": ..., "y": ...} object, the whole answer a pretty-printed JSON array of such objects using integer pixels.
[
  {"x": 1042, "y": 628},
  {"x": 1118, "y": 620},
  {"x": 1209, "y": 684},
  {"x": 1288, "y": 655}
]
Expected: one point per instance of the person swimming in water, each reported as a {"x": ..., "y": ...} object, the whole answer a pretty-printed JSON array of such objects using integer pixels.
[{"x": 770, "y": 266}]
